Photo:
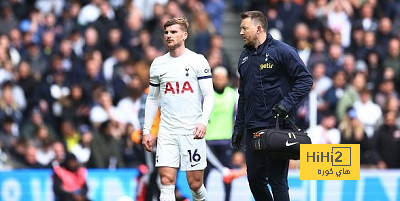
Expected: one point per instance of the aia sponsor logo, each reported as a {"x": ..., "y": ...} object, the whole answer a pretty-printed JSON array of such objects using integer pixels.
[{"x": 175, "y": 88}]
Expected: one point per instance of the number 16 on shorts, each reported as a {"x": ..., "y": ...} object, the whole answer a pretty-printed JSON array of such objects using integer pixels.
[{"x": 194, "y": 156}]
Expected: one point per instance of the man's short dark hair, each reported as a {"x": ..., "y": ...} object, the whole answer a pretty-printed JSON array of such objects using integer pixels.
[
  {"x": 257, "y": 16},
  {"x": 178, "y": 20}
]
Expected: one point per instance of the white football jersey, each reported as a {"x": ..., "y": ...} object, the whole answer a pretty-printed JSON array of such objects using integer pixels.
[{"x": 180, "y": 94}]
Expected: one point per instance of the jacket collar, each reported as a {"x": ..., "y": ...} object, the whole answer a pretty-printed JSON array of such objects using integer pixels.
[{"x": 262, "y": 46}]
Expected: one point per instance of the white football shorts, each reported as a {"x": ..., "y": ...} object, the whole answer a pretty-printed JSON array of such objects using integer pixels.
[{"x": 181, "y": 151}]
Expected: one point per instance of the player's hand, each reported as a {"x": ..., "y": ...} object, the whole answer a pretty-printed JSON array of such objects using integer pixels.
[
  {"x": 148, "y": 142},
  {"x": 200, "y": 131}
]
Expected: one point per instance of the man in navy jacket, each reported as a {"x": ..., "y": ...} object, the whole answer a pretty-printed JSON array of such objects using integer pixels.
[{"x": 273, "y": 80}]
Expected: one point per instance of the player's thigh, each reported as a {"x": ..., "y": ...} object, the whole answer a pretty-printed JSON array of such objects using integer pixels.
[
  {"x": 168, "y": 151},
  {"x": 193, "y": 153}
]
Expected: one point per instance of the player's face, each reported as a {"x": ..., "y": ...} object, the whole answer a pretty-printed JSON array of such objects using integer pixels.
[
  {"x": 248, "y": 32},
  {"x": 174, "y": 36}
]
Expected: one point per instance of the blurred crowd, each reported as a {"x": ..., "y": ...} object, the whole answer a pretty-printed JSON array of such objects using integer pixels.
[{"x": 73, "y": 74}]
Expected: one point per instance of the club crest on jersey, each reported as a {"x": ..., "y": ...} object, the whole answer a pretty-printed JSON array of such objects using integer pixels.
[
  {"x": 266, "y": 56},
  {"x": 170, "y": 88},
  {"x": 187, "y": 71}
]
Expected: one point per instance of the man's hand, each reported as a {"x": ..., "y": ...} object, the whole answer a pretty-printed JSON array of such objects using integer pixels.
[
  {"x": 237, "y": 141},
  {"x": 200, "y": 131},
  {"x": 280, "y": 110},
  {"x": 148, "y": 142}
]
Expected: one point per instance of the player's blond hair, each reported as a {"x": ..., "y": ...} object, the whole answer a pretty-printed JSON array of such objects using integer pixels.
[{"x": 178, "y": 20}]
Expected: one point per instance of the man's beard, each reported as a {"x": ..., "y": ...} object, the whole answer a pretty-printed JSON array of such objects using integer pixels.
[{"x": 174, "y": 47}]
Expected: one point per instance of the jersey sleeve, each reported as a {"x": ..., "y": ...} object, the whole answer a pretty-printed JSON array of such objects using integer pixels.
[
  {"x": 203, "y": 70},
  {"x": 154, "y": 76}
]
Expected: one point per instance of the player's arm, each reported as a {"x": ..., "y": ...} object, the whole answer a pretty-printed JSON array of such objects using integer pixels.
[
  {"x": 206, "y": 86},
  {"x": 152, "y": 103}
]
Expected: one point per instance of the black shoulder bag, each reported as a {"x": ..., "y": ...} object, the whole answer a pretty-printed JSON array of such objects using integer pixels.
[{"x": 280, "y": 143}]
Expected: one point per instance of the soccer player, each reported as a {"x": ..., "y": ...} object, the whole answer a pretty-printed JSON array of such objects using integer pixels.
[{"x": 180, "y": 81}]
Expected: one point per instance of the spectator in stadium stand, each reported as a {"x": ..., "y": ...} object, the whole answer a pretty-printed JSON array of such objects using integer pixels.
[
  {"x": 386, "y": 90},
  {"x": 45, "y": 153},
  {"x": 59, "y": 150},
  {"x": 351, "y": 94},
  {"x": 334, "y": 61},
  {"x": 71, "y": 63},
  {"x": 27, "y": 82},
  {"x": 321, "y": 84},
  {"x": 10, "y": 51},
  {"x": 70, "y": 180},
  {"x": 392, "y": 105},
  {"x": 200, "y": 31},
  {"x": 133, "y": 26},
  {"x": 52, "y": 92},
  {"x": 105, "y": 22},
  {"x": 367, "y": 20},
  {"x": 312, "y": 22},
  {"x": 41, "y": 136},
  {"x": 12, "y": 101},
  {"x": 69, "y": 134},
  {"x": 130, "y": 105},
  {"x": 215, "y": 10},
  {"x": 5, "y": 161},
  {"x": 220, "y": 127},
  {"x": 392, "y": 59},
  {"x": 29, "y": 159},
  {"x": 387, "y": 139},
  {"x": 8, "y": 136},
  {"x": 326, "y": 132},
  {"x": 318, "y": 53},
  {"x": 16, "y": 40},
  {"x": 123, "y": 77},
  {"x": 112, "y": 68},
  {"x": 76, "y": 105},
  {"x": 93, "y": 77},
  {"x": 335, "y": 92},
  {"x": 106, "y": 111},
  {"x": 301, "y": 32},
  {"x": 349, "y": 65},
  {"x": 82, "y": 150},
  {"x": 113, "y": 41},
  {"x": 67, "y": 21},
  {"x": 78, "y": 42},
  {"x": 36, "y": 59},
  {"x": 7, "y": 18},
  {"x": 28, "y": 129},
  {"x": 105, "y": 150},
  {"x": 384, "y": 32},
  {"x": 123, "y": 11},
  {"x": 369, "y": 44},
  {"x": 368, "y": 112},
  {"x": 290, "y": 13},
  {"x": 352, "y": 132},
  {"x": 47, "y": 44},
  {"x": 375, "y": 70},
  {"x": 220, "y": 54},
  {"x": 92, "y": 40}
]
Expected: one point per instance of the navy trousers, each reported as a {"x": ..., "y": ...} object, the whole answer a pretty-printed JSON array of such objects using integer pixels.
[{"x": 266, "y": 170}]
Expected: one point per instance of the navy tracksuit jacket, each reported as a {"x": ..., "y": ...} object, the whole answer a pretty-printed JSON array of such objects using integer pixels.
[{"x": 271, "y": 74}]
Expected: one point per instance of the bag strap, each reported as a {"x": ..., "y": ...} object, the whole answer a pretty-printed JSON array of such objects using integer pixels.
[{"x": 292, "y": 125}]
